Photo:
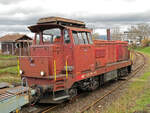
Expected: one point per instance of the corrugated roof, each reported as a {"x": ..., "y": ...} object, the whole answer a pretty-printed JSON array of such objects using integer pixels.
[{"x": 13, "y": 37}]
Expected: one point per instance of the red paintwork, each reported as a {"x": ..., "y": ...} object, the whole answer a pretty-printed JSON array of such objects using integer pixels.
[{"x": 87, "y": 59}]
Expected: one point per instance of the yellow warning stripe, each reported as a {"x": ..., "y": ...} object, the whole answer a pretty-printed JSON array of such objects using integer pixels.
[
  {"x": 66, "y": 69},
  {"x": 17, "y": 111},
  {"x": 18, "y": 67},
  {"x": 55, "y": 69}
]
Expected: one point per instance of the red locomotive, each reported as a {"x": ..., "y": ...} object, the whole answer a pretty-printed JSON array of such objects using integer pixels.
[{"x": 64, "y": 59}]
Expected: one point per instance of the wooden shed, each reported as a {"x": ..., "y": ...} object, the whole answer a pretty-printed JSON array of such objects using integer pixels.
[{"x": 15, "y": 44}]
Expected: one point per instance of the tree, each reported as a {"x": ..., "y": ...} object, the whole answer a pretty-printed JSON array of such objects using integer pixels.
[{"x": 140, "y": 31}]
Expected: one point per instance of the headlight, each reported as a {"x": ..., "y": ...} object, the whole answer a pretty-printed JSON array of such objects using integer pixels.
[
  {"x": 42, "y": 73},
  {"x": 21, "y": 72}
]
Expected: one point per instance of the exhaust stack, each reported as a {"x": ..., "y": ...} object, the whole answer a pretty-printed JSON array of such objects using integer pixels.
[{"x": 108, "y": 34}]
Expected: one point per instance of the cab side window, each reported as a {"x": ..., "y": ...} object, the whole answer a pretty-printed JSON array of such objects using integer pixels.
[
  {"x": 89, "y": 38},
  {"x": 37, "y": 39},
  {"x": 75, "y": 37},
  {"x": 66, "y": 37},
  {"x": 81, "y": 41},
  {"x": 84, "y": 37}
]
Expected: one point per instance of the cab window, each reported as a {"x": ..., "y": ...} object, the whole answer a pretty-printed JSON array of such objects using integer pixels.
[
  {"x": 81, "y": 37},
  {"x": 84, "y": 37},
  {"x": 75, "y": 37},
  {"x": 52, "y": 36},
  {"x": 81, "y": 41},
  {"x": 89, "y": 38},
  {"x": 37, "y": 39},
  {"x": 66, "y": 37}
]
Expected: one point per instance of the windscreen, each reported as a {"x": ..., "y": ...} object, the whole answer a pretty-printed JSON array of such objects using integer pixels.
[{"x": 51, "y": 35}]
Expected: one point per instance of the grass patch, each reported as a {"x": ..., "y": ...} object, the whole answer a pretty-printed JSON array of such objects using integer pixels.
[
  {"x": 144, "y": 97},
  {"x": 142, "y": 103},
  {"x": 137, "y": 96},
  {"x": 11, "y": 70},
  {"x": 11, "y": 78},
  {"x": 135, "y": 99},
  {"x": 8, "y": 69},
  {"x": 145, "y": 50},
  {"x": 7, "y": 56},
  {"x": 7, "y": 63}
]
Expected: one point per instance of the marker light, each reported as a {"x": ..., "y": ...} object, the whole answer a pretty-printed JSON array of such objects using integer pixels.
[
  {"x": 21, "y": 72},
  {"x": 42, "y": 73}
]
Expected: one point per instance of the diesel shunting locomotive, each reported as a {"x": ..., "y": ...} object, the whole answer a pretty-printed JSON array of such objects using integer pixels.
[{"x": 65, "y": 59}]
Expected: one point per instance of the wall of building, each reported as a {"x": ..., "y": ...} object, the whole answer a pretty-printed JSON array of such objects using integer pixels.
[{"x": 8, "y": 48}]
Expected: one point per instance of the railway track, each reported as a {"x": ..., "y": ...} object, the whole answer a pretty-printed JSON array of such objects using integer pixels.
[
  {"x": 86, "y": 108},
  {"x": 139, "y": 68}
]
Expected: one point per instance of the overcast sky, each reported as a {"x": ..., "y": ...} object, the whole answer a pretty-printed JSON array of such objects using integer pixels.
[{"x": 16, "y": 15}]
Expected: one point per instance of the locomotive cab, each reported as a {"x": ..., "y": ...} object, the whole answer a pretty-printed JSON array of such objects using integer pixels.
[
  {"x": 55, "y": 42},
  {"x": 59, "y": 51}
]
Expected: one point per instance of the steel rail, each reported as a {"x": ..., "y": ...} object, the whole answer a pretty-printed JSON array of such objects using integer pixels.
[{"x": 48, "y": 109}]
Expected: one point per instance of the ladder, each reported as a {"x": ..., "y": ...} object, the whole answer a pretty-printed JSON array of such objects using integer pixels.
[{"x": 60, "y": 91}]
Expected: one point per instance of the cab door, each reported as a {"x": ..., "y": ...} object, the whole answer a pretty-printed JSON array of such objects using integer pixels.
[
  {"x": 83, "y": 52},
  {"x": 68, "y": 51}
]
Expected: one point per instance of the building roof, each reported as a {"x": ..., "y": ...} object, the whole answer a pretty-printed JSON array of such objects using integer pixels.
[{"x": 13, "y": 37}]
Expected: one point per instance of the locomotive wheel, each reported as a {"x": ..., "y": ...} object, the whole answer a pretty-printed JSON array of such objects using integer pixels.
[
  {"x": 94, "y": 83},
  {"x": 72, "y": 92}
]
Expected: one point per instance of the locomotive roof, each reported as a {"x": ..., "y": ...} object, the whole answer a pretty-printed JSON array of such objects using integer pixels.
[
  {"x": 61, "y": 21},
  {"x": 41, "y": 27}
]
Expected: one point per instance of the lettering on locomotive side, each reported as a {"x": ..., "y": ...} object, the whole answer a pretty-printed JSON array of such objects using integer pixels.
[{"x": 89, "y": 74}]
